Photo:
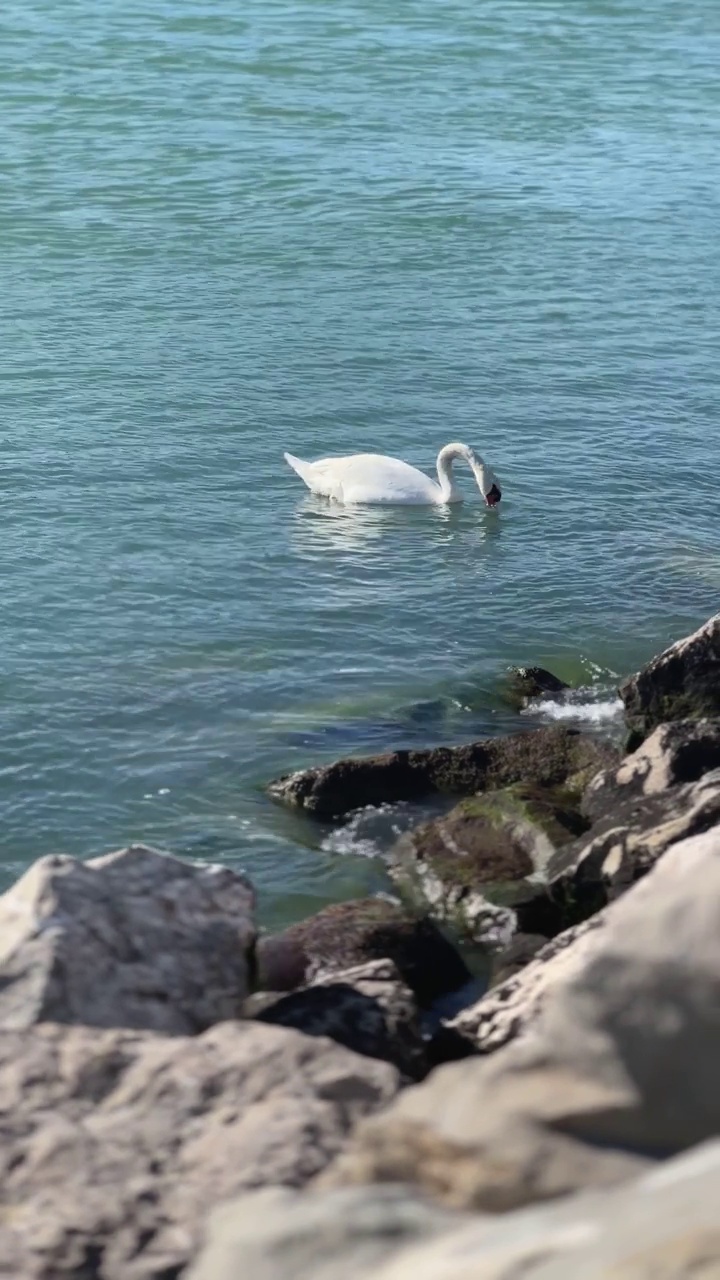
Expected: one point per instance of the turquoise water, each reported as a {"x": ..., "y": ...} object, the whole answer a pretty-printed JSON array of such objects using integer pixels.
[{"x": 325, "y": 227}]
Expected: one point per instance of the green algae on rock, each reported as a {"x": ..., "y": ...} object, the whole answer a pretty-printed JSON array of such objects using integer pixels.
[
  {"x": 481, "y": 868},
  {"x": 552, "y": 756}
]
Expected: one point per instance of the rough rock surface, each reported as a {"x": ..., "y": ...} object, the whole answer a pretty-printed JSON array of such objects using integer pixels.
[
  {"x": 553, "y": 756},
  {"x": 350, "y": 933},
  {"x": 682, "y": 683},
  {"x": 673, "y": 754},
  {"x": 525, "y": 683},
  {"x": 116, "y": 1144},
  {"x": 512, "y": 1005},
  {"x": 367, "y": 1008},
  {"x": 620, "y": 1068},
  {"x": 622, "y": 847},
  {"x": 481, "y": 867},
  {"x": 661, "y": 1227},
  {"x": 133, "y": 939}
]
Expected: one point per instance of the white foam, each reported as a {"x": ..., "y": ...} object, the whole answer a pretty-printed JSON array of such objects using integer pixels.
[{"x": 599, "y": 712}]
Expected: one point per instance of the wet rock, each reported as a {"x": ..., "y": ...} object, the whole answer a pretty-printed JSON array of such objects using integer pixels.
[
  {"x": 620, "y": 1069},
  {"x": 481, "y": 867},
  {"x": 554, "y": 756},
  {"x": 116, "y": 1144},
  {"x": 367, "y": 1009},
  {"x": 682, "y": 683},
  {"x": 521, "y": 950},
  {"x": 674, "y": 753},
  {"x": 661, "y": 1226},
  {"x": 622, "y": 847},
  {"x": 525, "y": 683},
  {"x": 515, "y": 1001},
  {"x": 136, "y": 938},
  {"x": 351, "y": 933}
]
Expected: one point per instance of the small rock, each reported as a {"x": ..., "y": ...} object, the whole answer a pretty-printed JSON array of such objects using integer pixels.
[
  {"x": 675, "y": 753},
  {"x": 117, "y": 1144},
  {"x": 525, "y": 683},
  {"x": 553, "y": 756},
  {"x": 350, "y": 933},
  {"x": 682, "y": 683},
  {"x": 367, "y": 1009},
  {"x": 133, "y": 939}
]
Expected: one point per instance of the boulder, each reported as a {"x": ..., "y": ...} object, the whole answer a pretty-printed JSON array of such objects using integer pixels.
[
  {"x": 367, "y": 1008},
  {"x": 481, "y": 867},
  {"x": 554, "y": 756},
  {"x": 346, "y": 934},
  {"x": 682, "y": 683},
  {"x": 116, "y": 1144},
  {"x": 136, "y": 938},
  {"x": 525, "y": 683},
  {"x": 623, "y": 846},
  {"x": 620, "y": 1068},
  {"x": 662, "y": 1226},
  {"x": 675, "y": 753}
]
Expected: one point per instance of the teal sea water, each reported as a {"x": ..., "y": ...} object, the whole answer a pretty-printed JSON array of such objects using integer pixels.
[{"x": 336, "y": 226}]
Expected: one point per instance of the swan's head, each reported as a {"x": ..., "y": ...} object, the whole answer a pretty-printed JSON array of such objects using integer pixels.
[{"x": 487, "y": 481}]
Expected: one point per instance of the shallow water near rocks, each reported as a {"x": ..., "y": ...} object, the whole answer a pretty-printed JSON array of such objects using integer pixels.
[{"x": 328, "y": 229}]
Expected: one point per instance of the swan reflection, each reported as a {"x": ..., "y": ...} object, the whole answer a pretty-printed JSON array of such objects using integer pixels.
[{"x": 320, "y": 525}]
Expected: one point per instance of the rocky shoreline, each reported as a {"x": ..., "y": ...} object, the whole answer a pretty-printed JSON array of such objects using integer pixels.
[{"x": 182, "y": 1097}]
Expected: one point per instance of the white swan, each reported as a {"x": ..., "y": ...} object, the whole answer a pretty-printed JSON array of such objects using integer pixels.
[{"x": 375, "y": 478}]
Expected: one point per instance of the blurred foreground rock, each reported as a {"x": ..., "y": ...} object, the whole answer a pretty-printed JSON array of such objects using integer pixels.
[
  {"x": 619, "y": 1068},
  {"x": 136, "y": 938},
  {"x": 116, "y": 1144},
  {"x": 662, "y": 1226}
]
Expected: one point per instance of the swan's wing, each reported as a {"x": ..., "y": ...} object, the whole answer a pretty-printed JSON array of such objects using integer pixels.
[{"x": 365, "y": 477}]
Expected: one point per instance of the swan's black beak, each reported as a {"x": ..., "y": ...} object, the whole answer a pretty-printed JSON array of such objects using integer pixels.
[{"x": 493, "y": 496}]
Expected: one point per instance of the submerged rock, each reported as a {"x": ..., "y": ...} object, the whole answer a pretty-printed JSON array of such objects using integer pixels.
[
  {"x": 525, "y": 683},
  {"x": 481, "y": 867},
  {"x": 682, "y": 683},
  {"x": 367, "y": 1009},
  {"x": 553, "y": 756},
  {"x": 351, "y": 933},
  {"x": 136, "y": 938},
  {"x": 620, "y": 1069},
  {"x": 116, "y": 1144}
]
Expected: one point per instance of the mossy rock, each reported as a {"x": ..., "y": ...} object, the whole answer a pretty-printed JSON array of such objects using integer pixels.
[{"x": 490, "y": 851}]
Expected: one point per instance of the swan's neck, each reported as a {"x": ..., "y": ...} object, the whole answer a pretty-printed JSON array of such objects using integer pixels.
[{"x": 445, "y": 460}]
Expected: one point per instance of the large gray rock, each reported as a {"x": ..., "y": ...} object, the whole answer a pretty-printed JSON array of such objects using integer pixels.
[
  {"x": 133, "y": 939},
  {"x": 346, "y": 934},
  {"x": 620, "y": 1066},
  {"x": 116, "y": 1144},
  {"x": 664, "y": 1226},
  {"x": 674, "y": 754},
  {"x": 682, "y": 683},
  {"x": 367, "y": 1008},
  {"x": 553, "y": 757}
]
